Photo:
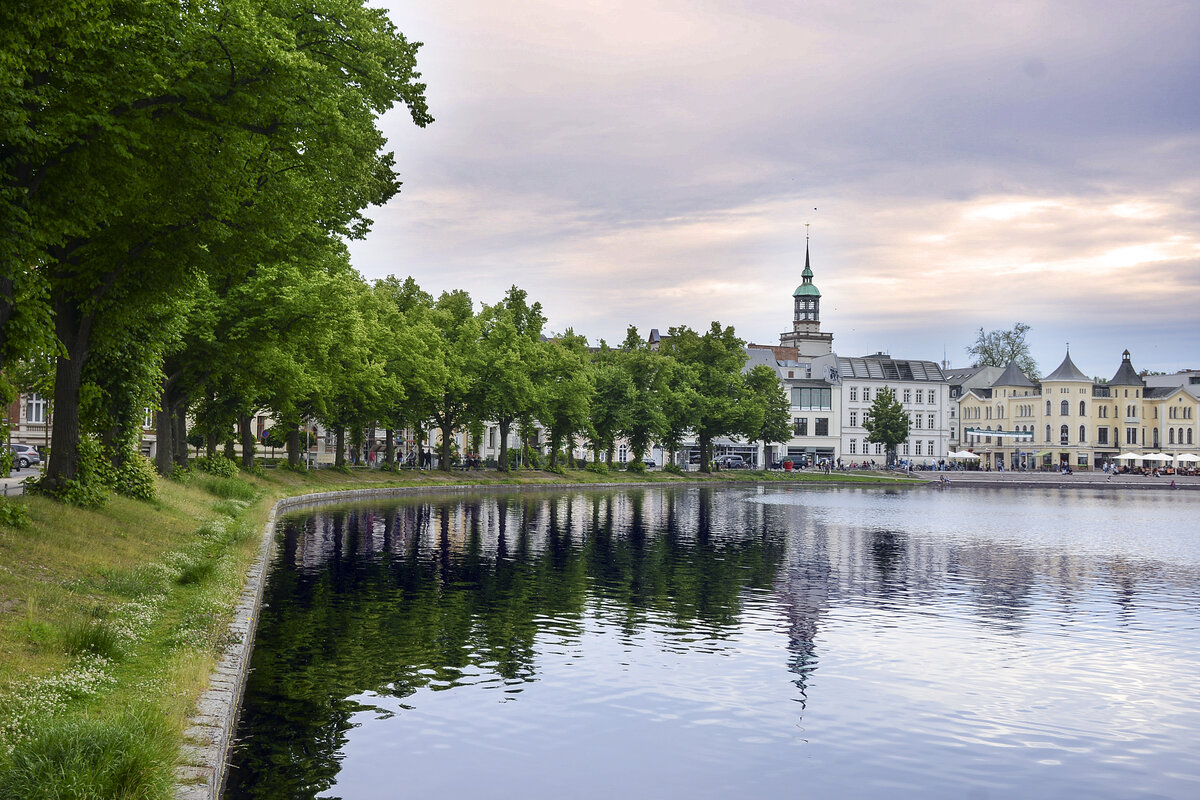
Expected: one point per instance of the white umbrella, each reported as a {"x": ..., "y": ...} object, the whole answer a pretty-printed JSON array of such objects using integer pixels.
[
  {"x": 1129, "y": 457},
  {"x": 966, "y": 454},
  {"x": 1184, "y": 458},
  {"x": 1157, "y": 457}
]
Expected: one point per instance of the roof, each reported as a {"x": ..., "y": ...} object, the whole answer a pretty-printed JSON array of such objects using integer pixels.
[
  {"x": 1126, "y": 374},
  {"x": 759, "y": 355},
  {"x": 885, "y": 368},
  {"x": 1067, "y": 372},
  {"x": 806, "y": 288},
  {"x": 1013, "y": 376}
]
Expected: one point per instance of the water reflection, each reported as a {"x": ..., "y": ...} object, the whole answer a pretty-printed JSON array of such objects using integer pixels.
[{"x": 932, "y": 625}]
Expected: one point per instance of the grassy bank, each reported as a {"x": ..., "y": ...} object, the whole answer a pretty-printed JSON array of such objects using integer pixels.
[{"x": 111, "y": 619}]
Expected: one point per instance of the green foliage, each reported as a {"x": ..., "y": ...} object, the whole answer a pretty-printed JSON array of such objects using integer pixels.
[
  {"x": 999, "y": 348},
  {"x": 91, "y": 488},
  {"x": 638, "y": 467},
  {"x": 598, "y": 467},
  {"x": 674, "y": 469},
  {"x": 196, "y": 572},
  {"x": 135, "y": 478},
  {"x": 765, "y": 407},
  {"x": 180, "y": 473},
  {"x": 7, "y": 457},
  {"x": 217, "y": 465},
  {"x": 13, "y": 513},
  {"x": 886, "y": 422},
  {"x": 126, "y": 756}
]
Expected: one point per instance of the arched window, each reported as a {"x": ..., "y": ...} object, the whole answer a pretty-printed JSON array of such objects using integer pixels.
[
  {"x": 1047, "y": 434},
  {"x": 1170, "y": 436},
  {"x": 1064, "y": 409},
  {"x": 1156, "y": 437},
  {"x": 1082, "y": 409},
  {"x": 1082, "y": 434},
  {"x": 1189, "y": 435},
  {"x": 1064, "y": 435},
  {"x": 1047, "y": 413}
]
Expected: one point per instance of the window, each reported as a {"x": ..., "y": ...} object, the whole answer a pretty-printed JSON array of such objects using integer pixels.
[
  {"x": 822, "y": 426},
  {"x": 1064, "y": 409},
  {"x": 905, "y": 449},
  {"x": 1082, "y": 409},
  {"x": 854, "y": 393},
  {"x": 800, "y": 426},
  {"x": 916, "y": 420},
  {"x": 1189, "y": 430},
  {"x": 1170, "y": 436},
  {"x": 1131, "y": 436},
  {"x": 812, "y": 399},
  {"x": 1064, "y": 435},
  {"x": 1047, "y": 434},
  {"x": 1156, "y": 437},
  {"x": 918, "y": 446},
  {"x": 878, "y": 449},
  {"x": 35, "y": 409},
  {"x": 1102, "y": 436},
  {"x": 1082, "y": 434},
  {"x": 920, "y": 398},
  {"x": 866, "y": 394},
  {"x": 853, "y": 419},
  {"x": 908, "y": 395},
  {"x": 853, "y": 446},
  {"x": 622, "y": 454},
  {"x": 147, "y": 417}
]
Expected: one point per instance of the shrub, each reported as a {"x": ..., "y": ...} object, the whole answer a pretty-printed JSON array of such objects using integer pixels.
[
  {"x": 674, "y": 469},
  {"x": 636, "y": 466},
  {"x": 90, "y": 487},
  {"x": 126, "y": 757},
  {"x": 217, "y": 465},
  {"x": 136, "y": 478},
  {"x": 598, "y": 467},
  {"x": 13, "y": 513}
]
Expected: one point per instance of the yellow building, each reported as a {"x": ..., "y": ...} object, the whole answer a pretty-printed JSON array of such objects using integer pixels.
[{"x": 1069, "y": 419}]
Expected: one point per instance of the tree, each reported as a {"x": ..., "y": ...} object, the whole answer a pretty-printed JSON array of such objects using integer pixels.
[
  {"x": 510, "y": 341},
  {"x": 612, "y": 396},
  {"x": 458, "y": 336},
  {"x": 564, "y": 389},
  {"x": 717, "y": 358},
  {"x": 887, "y": 422},
  {"x": 765, "y": 406},
  {"x": 1000, "y": 348},
  {"x": 647, "y": 373}
]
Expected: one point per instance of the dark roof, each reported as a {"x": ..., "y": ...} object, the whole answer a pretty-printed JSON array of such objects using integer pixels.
[
  {"x": 1067, "y": 371},
  {"x": 1013, "y": 376},
  {"x": 1126, "y": 374},
  {"x": 883, "y": 368}
]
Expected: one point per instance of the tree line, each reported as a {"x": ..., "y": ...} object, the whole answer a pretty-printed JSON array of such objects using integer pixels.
[{"x": 178, "y": 182}]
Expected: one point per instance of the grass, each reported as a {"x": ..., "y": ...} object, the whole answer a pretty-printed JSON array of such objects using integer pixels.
[{"x": 111, "y": 619}]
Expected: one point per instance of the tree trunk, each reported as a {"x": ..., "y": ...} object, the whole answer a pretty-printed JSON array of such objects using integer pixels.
[
  {"x": 245, "y": 422},
  {"x": 389, "y": 447},
  {"x": 505, "y": 426},
  {"x": 179, "y": 433},
  {"x": 164, "y": 449},
  {"x": 74, "y": 331},
  {"x": 419, "y": 435},
  {"x": 705, "y": 453},
  {"x": 210, "y": 444},
  {"x": 339, "y": 458},
  {"x": 293, "y": 445},
  {"x": 444, "y": 448}
]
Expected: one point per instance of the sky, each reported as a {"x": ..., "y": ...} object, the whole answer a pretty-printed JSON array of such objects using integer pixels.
[{"x": 956, "y": 166}]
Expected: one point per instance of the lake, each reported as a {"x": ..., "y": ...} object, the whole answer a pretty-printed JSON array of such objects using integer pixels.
[{"x": 766, "y": 642}]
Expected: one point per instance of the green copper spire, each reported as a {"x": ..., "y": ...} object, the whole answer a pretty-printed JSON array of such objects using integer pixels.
[{"x": 806, "y": 288}]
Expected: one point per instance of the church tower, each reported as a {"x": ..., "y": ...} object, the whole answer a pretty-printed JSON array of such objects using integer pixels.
[{"x": 805, "y": 334}]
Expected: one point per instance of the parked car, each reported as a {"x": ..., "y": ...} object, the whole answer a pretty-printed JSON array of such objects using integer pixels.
[
  {"x": 25, "y": 455},
  {"x": 731, "y": 462}
]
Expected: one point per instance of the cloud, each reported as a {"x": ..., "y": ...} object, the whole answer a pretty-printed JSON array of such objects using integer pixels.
[{"x": 655, "y": 162}]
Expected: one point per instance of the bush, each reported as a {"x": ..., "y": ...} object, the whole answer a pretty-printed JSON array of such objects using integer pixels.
[
  {"x": 674, "y": 469},
  {"x": 127, "y": 757},
  {"x": 217, "y": 465},
  {"x": 13, "y": 513},
  {"x": 598, "y": 467},
  {"x": 90, "y": 487},
  {"x": 636, "y": 466},
  {"x": 136, "y": 478}
]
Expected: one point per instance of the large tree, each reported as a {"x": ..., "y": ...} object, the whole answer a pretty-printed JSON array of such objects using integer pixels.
[
  {"x": 155, "y": 142},
  {"x": 886, "y": 422},
  {"x": 717, "y": 358},
  {"x": 509, "y": 348},
  {"x": 999, "y": 348},
  {"x": 765, "y": 407}
]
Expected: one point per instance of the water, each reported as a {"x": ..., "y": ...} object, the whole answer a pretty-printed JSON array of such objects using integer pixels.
[{"x": 705, "y": 643}]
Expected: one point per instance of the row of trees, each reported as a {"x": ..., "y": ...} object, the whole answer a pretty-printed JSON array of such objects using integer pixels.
[{"x": 162, "y": 163}]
